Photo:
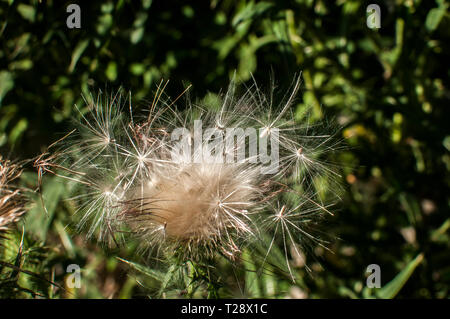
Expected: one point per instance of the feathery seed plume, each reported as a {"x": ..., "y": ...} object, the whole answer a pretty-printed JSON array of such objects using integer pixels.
[{"x": 200, "y": 180}]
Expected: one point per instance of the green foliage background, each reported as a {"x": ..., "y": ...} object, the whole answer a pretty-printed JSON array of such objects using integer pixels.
[{"x": 387, "y": 88}]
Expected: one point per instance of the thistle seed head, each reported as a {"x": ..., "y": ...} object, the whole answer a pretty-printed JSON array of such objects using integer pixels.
[
  {"x": 198, "y": 181},
  {"x": 195, "y": 206},
  {"x": 11, "y": 199}
]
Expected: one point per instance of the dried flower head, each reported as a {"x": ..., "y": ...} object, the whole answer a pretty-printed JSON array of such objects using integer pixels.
[
  {"x": 197, "y": 181},
  {"x": 11, "y": 199}
]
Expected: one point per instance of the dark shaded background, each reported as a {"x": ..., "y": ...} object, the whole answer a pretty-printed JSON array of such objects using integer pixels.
[{"x": 386, "y": 88}]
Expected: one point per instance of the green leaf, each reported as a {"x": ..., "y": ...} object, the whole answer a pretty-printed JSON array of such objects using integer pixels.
[
  {"x": 104, "y": 23},
  {"x": 251, "y": 276},
  {"x": 6, "y": 84},
  {"x": 37, "y": 220},
  {"x": 391, "y": 289},
  {"x": 252, "y": 11},
  {"x": 434, "y": 17},
  {"x": 111, "y": 71},
  {"x": 137, "y": 68},
  {"x": 79, "y": 49},
  {"x": 27, "y": 12},
  {"x": 136, "y": 35},
  {"x": 167, "y": 279},
  {"x": 146, "y": 3},
  {"x": 155, "y": 274},
  {"x": 18, "y": 130},
  {"x": 25, "y": 64}
]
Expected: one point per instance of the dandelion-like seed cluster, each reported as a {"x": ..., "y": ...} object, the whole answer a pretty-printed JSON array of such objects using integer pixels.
[{"x": 135, "y": 181}]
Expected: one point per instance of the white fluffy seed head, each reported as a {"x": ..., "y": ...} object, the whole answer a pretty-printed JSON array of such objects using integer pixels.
[
  {"x": 195, "y": 206},
  {"x": 134, "y": 179}
]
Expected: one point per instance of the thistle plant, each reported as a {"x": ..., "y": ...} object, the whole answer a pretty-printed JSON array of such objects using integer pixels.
[
  {"x": 195, "y": 182},
  {"x": 12, "y": 201}
]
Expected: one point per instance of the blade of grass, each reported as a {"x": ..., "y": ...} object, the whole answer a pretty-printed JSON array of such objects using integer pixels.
[{"x": 390, "y": 290}]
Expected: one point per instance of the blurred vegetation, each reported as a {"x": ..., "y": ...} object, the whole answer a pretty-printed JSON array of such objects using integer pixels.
[{"x": 387, "y": 88}]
